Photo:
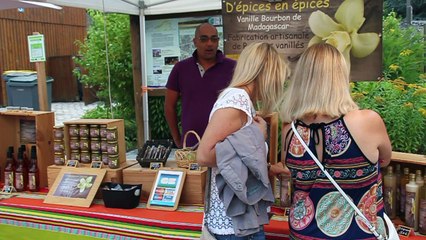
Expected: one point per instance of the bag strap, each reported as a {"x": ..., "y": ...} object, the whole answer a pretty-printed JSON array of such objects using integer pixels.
[
  {"x": 196, "y": 135},
  {"x": 336, "y": 185}
]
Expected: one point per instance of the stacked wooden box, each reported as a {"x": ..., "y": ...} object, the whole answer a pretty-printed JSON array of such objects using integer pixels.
[
  {"x": 20, "y": 127},
  {"x": 193, "y": 189},
  {"x": 112, "y": 175}
]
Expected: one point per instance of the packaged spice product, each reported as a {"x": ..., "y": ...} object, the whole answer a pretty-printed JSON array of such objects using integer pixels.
[
  {"x": 58, "y": 132},
  {"x": 103, "y": 131},
  {"x": 85, "y": 157},
  {"x": 59, "y": 159},
  {"x": 95, "y": 145},
  {"x": 73, "y": 130},
  {"x": 112, "y": 147},
  {"x": 112, "y": 134},
  {"x": 74, "y": 144},
  {"x": 84, "y": 131},
  {"x": 94, "y": 131},
  {"x": 58, "y": 146},
  {"x": 113, "y": 161},
  {"x": 84, "y": 144}
]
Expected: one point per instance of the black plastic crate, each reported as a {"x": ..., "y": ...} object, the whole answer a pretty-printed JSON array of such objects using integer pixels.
[
  {"x": 154, "y": 151},
  {"x": 127, "y": 198}
]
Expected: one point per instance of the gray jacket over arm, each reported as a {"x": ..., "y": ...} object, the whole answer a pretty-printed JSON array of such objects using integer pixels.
[{"x": 242, "y": 181}]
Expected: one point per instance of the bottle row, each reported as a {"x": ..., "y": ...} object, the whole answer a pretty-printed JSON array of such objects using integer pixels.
[
  {"x": 405, "y": 196},
  {"x": 21, "y": 172}
]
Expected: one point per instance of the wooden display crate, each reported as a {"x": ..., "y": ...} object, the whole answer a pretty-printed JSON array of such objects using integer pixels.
[
  {"x": 112, "y": 175},
  {"x": 193, "y": 188},
  {"x": 119, "y": 123},
  {"x": 15, "y": 125}
]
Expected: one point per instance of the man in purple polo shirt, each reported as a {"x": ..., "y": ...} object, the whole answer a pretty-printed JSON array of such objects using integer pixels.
[{"x": 198, "y": 81}]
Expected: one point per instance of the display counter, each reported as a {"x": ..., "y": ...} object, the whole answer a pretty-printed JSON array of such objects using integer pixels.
[{"x": 28, "y": 216}]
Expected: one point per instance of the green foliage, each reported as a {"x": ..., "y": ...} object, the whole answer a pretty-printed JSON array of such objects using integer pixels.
[
  {"x": 157, "y": 120},
  {"x": 93, "y": 52},
  {"x": 399, "y": 6},
  {"x": 402, "y": 107},
  {"x": 400, "y": 97},
  {"x": 403, "y": 51},
  {"x": 103, "y": 112}
]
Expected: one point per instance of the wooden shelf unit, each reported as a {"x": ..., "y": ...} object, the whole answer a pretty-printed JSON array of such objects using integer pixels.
[
  {"x": 119, "y": 123},
  {"x": 10, "y": 125}
]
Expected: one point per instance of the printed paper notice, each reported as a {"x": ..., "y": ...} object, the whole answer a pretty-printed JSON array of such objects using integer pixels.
[{"x": 36, "y": 48}]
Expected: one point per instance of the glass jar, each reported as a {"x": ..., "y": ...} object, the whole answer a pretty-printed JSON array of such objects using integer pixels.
[
  {"x": 84, "y": 144},
  {"x": 85, "y": 157},
  {"x": 104, "y": 145},
  {"x": 84, "y": 131},
  {"x": 113, "y": 161},
  {"x": 103, "y": 131},
  {"x": 74, "y": 143},
  {"x": 73, "y": 131},
  {"x": 112, "y": 147},
  {"x": 95, "y": 145},
  {"x": 94, "y": 131},
  {"x": 58, "y": 132},
  {"x": 105, "y": 159},
  {"x": 95, "y": 156},
  {"x": 112, "y": 133},
  {"x": 75, "y": 155},
  {"x": 58, "y": 146},
  {"x": 59, "y": 159}
]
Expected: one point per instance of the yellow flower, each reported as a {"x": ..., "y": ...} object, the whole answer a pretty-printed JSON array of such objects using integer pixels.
[
  {"x": 420, "y": 91},
  {"x": 399, "y": 87},
  {"x": 406, "y": 52},
  {"x": 408, "y": 105},
  {"x": 393, "y": 67},
  {"x": 423, "y": 112},
  {"x": 343, "y": 34},
  {"x": 357, "y": 96},
  {"x": 379, "y": 99},
  {"x": 400, "y": 81}
]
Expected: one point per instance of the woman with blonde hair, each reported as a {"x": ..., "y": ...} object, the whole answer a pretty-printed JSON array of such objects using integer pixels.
[
  {"x": 258, "y": 78},
  {"x": 351, "y": 144}
]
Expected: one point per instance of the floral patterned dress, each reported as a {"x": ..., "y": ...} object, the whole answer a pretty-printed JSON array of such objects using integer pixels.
[{"x": 318, "y": 210}]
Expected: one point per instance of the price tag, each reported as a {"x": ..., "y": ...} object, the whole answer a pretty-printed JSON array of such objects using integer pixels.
[
  {"x": 404, "y": 231},
  {"x": 8, "y": 190},
  {"x": 194, "y": 167},
  {"x": 155, "y": 165},
  {"x": 72, "y": 163},
  {"x": 96, "y": 164}
]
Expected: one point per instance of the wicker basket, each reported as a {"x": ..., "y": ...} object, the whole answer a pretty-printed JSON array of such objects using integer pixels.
[{"x": 187, "y": 155}]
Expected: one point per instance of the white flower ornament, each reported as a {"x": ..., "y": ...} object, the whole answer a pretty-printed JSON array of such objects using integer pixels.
[
  {"x": 85, "y": 183},
  {"x": 343, "y": 34}
]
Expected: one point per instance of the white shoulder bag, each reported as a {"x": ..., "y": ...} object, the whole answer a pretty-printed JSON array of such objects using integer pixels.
[{"x": 393, "y": 235}]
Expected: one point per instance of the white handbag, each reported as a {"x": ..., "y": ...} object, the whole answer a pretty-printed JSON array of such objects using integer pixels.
[{"x": 392, "y": 233}]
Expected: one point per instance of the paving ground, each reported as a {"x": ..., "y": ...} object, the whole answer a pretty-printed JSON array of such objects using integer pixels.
[{"x": 66, "y": 111}]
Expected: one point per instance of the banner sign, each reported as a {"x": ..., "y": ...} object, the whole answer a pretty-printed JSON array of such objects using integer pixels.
[{"x": 353, "y": 26}]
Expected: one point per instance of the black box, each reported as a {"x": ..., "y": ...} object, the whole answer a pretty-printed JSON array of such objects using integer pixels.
[
  {"x": 146, "y": 156},
  {"x": 126, "y": 199}
]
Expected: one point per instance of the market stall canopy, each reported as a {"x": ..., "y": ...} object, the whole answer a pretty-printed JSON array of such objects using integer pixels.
[
  {"x": 10, "y": 4},
  {"x": 151, "y": 7}
]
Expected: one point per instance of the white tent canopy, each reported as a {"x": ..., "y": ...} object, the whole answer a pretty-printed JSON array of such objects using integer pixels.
[{"x": 150, "y": 7}]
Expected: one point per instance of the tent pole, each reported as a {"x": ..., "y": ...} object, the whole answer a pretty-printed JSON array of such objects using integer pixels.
[{"x": 144, "y": 75}]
